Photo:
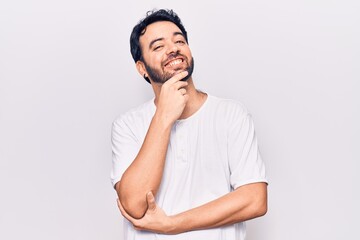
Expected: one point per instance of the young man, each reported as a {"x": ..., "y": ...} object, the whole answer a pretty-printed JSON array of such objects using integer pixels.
[{"x": 185, "y": 164}]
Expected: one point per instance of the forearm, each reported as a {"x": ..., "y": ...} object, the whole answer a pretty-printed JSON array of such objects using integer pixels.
[
  {"x": 145, "y": 172},
  {"x": 246, "y": 202}
]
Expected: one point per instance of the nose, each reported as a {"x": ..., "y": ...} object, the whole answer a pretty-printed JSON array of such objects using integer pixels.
[{"x": 172, "y": 48}]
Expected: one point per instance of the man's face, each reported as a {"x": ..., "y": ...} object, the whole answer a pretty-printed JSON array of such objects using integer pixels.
[{"x": 165, "y": 52}]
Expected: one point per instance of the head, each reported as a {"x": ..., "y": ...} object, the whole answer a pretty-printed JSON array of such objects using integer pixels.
[{"x": 159, "y": 46}]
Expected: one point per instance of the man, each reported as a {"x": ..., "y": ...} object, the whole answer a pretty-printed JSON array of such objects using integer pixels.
[{"x": 185, "y": 164}]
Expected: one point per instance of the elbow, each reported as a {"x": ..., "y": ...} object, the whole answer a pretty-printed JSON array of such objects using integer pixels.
[
  {"x": 133, "y": 204},
  {"x": 260, "y": 208},
  {"x": 260, "y": 203},
  {"x": 136, "y": 208}
]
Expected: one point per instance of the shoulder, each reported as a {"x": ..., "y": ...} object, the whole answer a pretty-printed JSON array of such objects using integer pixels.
[
  {"x": 136, "y": 115},
  {"x": 227, "y": 108}
]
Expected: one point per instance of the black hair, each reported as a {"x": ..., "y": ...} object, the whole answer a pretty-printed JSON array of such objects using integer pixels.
[{"x": 151, "y": 17}]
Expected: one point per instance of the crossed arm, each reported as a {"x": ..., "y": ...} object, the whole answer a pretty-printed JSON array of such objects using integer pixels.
[
  {"x": 137, "y": 195},
  {"x": 246, "y": 202},
  {"x": 137, "y": 202}
]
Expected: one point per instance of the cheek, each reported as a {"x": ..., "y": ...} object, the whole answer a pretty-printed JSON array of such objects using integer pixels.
[
  {"x": 155, "y": 57},
  {"x": 187, "y": 53},
  {"x": 153, "y": 62}
]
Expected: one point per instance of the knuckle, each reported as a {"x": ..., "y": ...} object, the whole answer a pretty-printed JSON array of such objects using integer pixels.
[{"x": 136, "y": 225}]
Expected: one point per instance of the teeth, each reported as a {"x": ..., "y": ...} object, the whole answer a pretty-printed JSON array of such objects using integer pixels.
[{"x": 175, "y": 62}]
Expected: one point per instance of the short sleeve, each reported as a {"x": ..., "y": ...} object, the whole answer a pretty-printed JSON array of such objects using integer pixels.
[
  {"x": 246, "y": 165},
  {"x": 125, "y": 147}
]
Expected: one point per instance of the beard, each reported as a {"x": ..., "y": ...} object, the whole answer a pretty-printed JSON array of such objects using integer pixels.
[{"x": 158, "y": 76}]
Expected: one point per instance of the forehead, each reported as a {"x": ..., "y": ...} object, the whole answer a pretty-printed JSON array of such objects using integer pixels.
[{"x": 156, "y": 30}]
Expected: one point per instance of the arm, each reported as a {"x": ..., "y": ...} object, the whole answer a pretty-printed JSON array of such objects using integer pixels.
[
  {"x": 246, "y": 202},
  {"x": 145, "y": 172}
]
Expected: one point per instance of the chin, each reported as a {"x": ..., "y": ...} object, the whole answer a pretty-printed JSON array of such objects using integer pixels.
[{"x": 186, "y": 78}]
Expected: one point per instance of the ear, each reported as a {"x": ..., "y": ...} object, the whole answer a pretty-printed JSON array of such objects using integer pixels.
[{"x": 141, "y": 68}]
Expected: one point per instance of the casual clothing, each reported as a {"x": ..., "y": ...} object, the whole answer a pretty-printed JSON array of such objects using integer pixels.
[{"x": 211, "y": 153}]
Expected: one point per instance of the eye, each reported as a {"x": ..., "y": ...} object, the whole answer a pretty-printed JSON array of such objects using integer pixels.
[
  {"x": 180, "y": 42},
  {"x": 158, "y": 47}
]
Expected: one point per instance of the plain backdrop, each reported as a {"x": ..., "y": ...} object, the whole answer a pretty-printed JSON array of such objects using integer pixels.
[{"x": 66, "y": 73}]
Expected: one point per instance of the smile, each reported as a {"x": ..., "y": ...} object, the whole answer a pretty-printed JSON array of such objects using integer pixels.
[{"x": 174, "y": 62}]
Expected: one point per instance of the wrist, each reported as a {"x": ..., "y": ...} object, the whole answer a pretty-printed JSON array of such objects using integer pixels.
[
  {"x": 163, "y": 119},
  {"x": 176, "y": 225}
]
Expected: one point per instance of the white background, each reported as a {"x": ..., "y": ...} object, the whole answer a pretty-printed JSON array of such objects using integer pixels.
[{"x": 66, "y": 72}]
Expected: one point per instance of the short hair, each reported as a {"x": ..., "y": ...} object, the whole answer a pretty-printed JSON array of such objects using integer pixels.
[{"x": 151, "y": 17}]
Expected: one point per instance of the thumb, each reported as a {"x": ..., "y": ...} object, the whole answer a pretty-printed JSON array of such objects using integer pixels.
[
  {"x": 119, "y": 204},
  {"x": 150, "y": 201}
]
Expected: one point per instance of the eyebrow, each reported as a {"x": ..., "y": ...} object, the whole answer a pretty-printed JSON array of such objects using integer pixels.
[
  {"x": 160, "y": 39},
  {"x": 154, "y": 41}
]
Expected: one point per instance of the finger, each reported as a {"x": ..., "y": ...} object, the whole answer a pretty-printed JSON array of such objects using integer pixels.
[
  {"x": 151, "y": 201},
  {"x": 180, "y": 84},
  {"x": 124, "y": 213},
  {"x": 121, "y": 208},
  {"x": 182, "y": 91},
  {"x": 177, "y": 77},
  {"x": 118, "y": 204},
  {"x": 137, "y": 228}
]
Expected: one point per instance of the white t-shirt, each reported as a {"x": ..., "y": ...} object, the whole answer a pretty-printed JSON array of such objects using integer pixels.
[{"x": 210, "y": 153}]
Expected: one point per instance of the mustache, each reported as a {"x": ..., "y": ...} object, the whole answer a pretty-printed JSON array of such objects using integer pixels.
[{"x": 173, "y": 56}]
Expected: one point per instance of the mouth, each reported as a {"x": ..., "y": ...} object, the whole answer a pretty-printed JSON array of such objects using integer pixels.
[{"x": 174, "y": 63}]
